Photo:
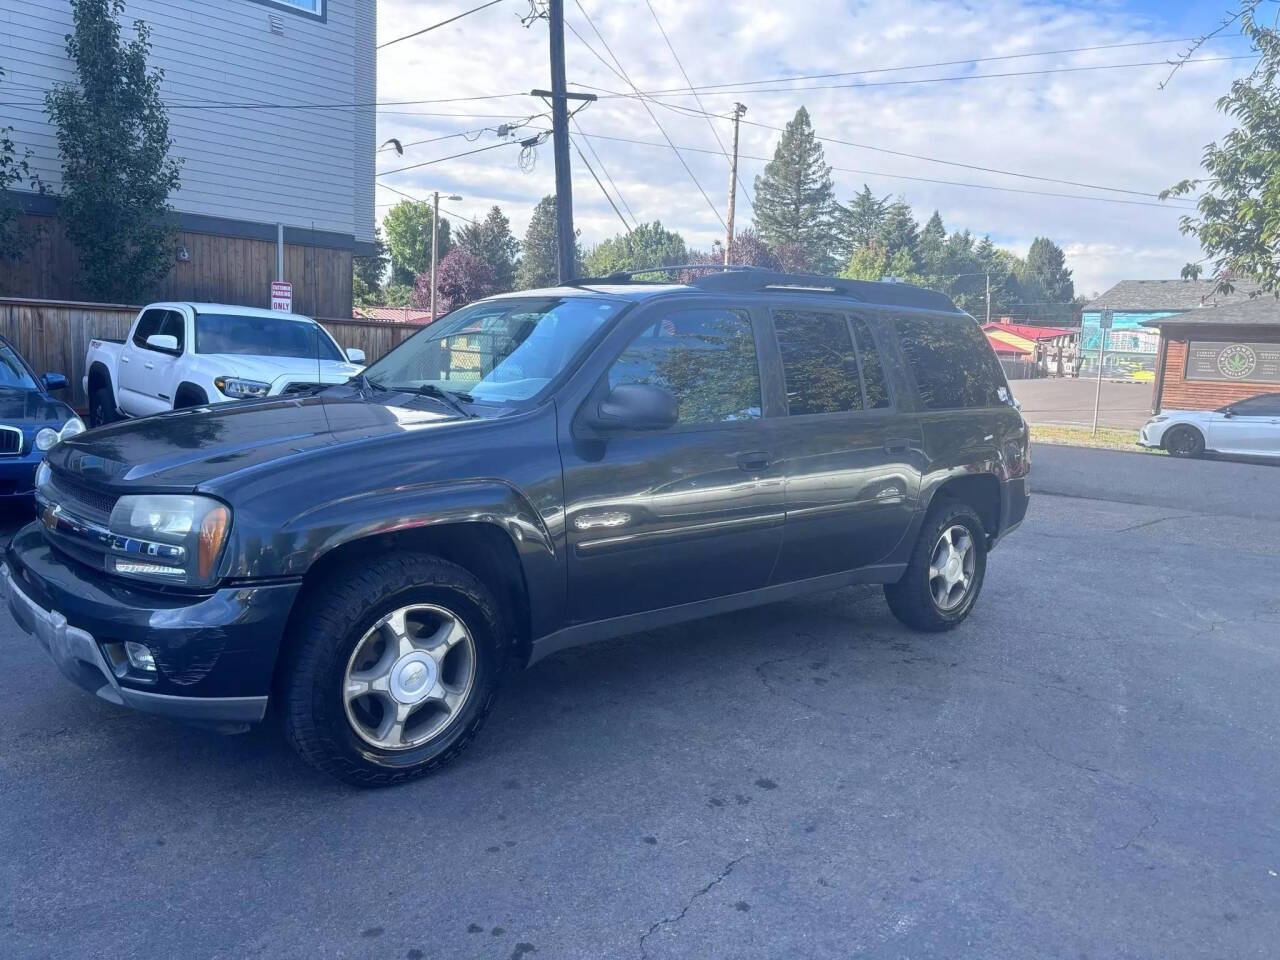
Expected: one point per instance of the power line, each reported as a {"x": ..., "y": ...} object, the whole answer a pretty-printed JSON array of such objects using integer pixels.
[
  {"x": 925, "y": 66},
  {"x": 409, "y": 196},
  {"x": 652, "y": 95},
  {"x": 587, "y": 164},
  {"x": 690, "y": 111},
  {"x": 901, "y": 176},
  {"x": 652, "y": 115},
  {"x": 684, "y": 73},
  {"x": 418, "y": 33},
  {"x": 540, "y": 138},
  {"x": 603, "y": 168}
]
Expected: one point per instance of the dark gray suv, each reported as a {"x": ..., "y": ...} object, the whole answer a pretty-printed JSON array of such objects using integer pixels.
[{"x": 531, "y": 472}]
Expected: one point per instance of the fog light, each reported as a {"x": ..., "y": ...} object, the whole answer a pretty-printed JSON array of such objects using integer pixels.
[{"x": 139, "y": 655}]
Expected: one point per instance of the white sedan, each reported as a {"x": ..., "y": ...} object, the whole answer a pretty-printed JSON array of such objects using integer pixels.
[{"x": 1247, "y": 427}]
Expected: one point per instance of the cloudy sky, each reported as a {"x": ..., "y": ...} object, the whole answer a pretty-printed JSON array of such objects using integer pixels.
[{"x": 1108, "y": 128}]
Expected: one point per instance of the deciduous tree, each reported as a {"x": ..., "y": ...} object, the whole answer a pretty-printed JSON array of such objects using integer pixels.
[
  {"x": 15, "y": 171},
  {"x": 408, "y": 229},
  {"x": 648, "y": 245},
  {"x": 113, "y": 137},
  {"x": 461, "y": 277}
]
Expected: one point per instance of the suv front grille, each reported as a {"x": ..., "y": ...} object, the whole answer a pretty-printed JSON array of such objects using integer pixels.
[{"x": 79, "y": 498}]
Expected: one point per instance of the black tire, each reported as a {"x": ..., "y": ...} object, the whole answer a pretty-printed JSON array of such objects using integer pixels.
[
  {"x": 912, "y": 598},
  {"x": 1184, "y": 441},
  {"x": 102, "y": 407},
  {"x": 322, "y": 641}
]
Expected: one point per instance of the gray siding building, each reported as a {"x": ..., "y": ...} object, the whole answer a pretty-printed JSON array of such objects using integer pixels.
[{"x": 271, "y": 109}]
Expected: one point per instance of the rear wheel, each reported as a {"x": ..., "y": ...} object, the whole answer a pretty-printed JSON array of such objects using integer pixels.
[
  {"x": 1184, "y": 441},
  {"x": 946, "y": 570},
  {"x": 393, "y": 669},
  {"x": 102, "y": 407}
]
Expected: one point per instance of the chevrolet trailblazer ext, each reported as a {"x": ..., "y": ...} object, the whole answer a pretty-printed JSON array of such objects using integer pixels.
[{"x": 534, "y": 471}]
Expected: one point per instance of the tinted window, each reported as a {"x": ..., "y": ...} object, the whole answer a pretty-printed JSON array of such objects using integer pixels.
[
  {"x": 818, "y": 361},
  {"x": 174, "y": 325},
  {"x": 263, "y": 337},
  {"x": 1267, "y": 405},
  {"x": 875, "y": 387},
  {"x": 148, "y": 324},
  {"x": 705, "y": 357},
  {"x": 951, "y": 362}
]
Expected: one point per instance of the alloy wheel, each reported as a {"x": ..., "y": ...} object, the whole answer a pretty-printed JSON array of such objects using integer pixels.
[
  {"x": 951, "y": 568},
  {"x": 409, "y": 677}
]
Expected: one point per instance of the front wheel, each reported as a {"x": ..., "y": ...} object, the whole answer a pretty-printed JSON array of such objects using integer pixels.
[
  {"x": 946, "y": 570},
  {"x": 1184, "y": 442},
  {"x": 102, "y": 407},
  {"x": 393, "y": 670}
]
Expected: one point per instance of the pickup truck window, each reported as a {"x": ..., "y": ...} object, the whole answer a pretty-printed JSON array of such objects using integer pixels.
[
  {"x": 705, "y": 357},
  {"x": 148, "y": 324},
  {"x": 263, "y": 337},
  {"x": 500, "y": 351}
]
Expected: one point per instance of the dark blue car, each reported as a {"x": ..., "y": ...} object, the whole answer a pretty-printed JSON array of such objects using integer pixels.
[{"x": 31, "y": 421}]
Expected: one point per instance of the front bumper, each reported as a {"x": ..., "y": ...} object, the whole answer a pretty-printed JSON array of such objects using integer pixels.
[
  {"x": 1150, "y": 436},
  {"x": 215, "y": 653}
]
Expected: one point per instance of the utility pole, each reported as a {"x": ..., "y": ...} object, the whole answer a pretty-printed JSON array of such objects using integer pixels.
[
  {"x": 738, "y": 111},
  {"x": 565, "y": 246},
  {"x": 435, "y": 243},
  {"x": 988, "y": 298}
]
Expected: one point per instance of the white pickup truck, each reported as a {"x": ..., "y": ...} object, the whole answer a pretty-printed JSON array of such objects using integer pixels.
[{"x": 190, "y": 354}]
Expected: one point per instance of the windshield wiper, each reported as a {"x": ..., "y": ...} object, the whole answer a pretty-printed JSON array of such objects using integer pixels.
[
  {"x": 450, "y": 397},
  {"x": 364, "y": 383}
]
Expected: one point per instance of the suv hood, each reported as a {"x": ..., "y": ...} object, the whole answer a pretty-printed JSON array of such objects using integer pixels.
[
  {"x": 285, "y": 369},
  {"x": 182, "y": 449}
]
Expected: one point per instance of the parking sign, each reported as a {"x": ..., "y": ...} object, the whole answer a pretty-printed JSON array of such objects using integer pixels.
[{"x": 282, "y": 295}]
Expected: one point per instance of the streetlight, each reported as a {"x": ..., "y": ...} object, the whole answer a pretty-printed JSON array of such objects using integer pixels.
[{"x": 435, "y": 241}]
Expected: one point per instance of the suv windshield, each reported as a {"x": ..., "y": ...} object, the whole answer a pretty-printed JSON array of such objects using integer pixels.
[
  {"x": 499, "y": 350},
  {"x": 263, "y": 337}
]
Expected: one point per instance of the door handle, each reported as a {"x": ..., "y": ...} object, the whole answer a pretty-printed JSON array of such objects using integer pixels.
[
  {"x": 897, "y": 445},
  {"x": 124, "y": 359},
  {"x": 754, "y": 460},
  {"x": 149, "y": 366}
]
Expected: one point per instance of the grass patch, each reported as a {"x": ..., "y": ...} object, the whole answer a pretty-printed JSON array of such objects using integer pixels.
[{"x": 1107, "y": 438}]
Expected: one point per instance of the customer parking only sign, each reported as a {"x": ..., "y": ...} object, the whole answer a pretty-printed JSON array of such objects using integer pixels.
[{"x": 282, "y": 295}]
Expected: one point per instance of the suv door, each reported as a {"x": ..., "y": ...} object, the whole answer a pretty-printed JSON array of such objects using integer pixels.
[
  {"x": 665, "y": 517},
  {"x": 851, "y": 455},
  {"x": 1249, "y": 427},
  {"x": 147, "y": 374}
]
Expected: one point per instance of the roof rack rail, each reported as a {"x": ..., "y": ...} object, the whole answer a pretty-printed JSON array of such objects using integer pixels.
[
  {"x": 628, "y": 276},
  {"x": 868, "y": 291}
]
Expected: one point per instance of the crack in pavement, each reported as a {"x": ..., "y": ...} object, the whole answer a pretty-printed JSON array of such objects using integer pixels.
[
  {"x": 670, "y": 921},
  {"x": 1147, "y": 804},
  {"x": 1152, "y": 523}
]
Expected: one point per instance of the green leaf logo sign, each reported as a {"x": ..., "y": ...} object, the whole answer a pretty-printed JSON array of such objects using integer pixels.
[{"x": 1237, "y": 361}]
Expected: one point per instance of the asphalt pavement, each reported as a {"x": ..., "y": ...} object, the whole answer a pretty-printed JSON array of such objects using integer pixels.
[
  {"x": 1086, "y": 768},
  {"x": 1122, "y": 405}
]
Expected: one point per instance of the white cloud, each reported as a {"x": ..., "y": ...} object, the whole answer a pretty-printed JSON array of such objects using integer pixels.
[{"x": 1106, "y": 127}]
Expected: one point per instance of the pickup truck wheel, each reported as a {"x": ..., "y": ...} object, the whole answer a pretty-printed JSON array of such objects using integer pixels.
[
  {"x": 102, "y": 407},
  {"x": 946, "y": 570},
  {"x": 393, "y": 670}
]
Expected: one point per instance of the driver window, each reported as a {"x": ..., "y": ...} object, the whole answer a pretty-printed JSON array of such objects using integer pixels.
[{"x": 706, "y": 357}]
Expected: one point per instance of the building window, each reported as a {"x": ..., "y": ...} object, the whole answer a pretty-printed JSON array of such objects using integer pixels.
[{"x": 308, "y": 8}]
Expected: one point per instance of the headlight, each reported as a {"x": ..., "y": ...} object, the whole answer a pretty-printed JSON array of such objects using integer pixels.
[
  {"x": 239, "y": 389},
  {"x": 47, "y": 437},
  {"x": 43, "y": 472},
  {"x": 168, "y": 538}
]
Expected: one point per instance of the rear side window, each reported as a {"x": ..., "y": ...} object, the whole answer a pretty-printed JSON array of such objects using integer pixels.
[
  {"x": 874, "y": 386},
  {"x": 705, "y": 357},
  {"x": 950, "y": 361},
  {"x": 819, "y": 362}
]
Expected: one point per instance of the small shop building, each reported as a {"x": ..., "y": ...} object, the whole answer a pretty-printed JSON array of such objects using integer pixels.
[
  {"x": 1028, "y": 351},
  {"x": 1215, "y": 356}
]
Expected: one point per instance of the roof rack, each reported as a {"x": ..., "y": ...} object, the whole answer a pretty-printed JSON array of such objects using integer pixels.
[{"x": 629, "y": 276}]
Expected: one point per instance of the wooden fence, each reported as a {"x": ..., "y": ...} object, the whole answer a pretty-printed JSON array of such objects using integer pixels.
[{"x": 54, "y": 335}]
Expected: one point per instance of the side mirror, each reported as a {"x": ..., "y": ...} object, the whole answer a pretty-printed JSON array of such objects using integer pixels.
[
  {"x": 164, "y": 342},
  {"x": 355, "y": 354},
  {"x": 1229, "y": 412},
  {"x": 635, "y": 406},
  {"x": 54, "y": 381}
]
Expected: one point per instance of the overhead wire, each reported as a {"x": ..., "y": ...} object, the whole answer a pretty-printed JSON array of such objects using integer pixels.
[
  {"x": 541, "y": 138},
  {"x": 418, "y": 33},
  {"x": 621, "y": 71},
  {"x": 684, "y": 73},
  {"x": 587, "y": 163}
]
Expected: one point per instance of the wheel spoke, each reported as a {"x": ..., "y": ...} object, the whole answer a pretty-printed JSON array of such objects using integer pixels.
[
  {"x": 397, "y": 627},
  {"x": 391, "y": 731},
  {"x": 446, "y": 637},
  {"x": 449, "y": 696}
]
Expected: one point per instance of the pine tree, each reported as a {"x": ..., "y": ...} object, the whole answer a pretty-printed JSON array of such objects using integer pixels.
[
  {"x": 1046, "y": 267},
  {"x": 492, "y": 242},
  {"x": 795, "y": 198},
  {"x": 860, "y": 222},
  {"x": 539, "y": 264},
  {"x": 899, "y": 230}
]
